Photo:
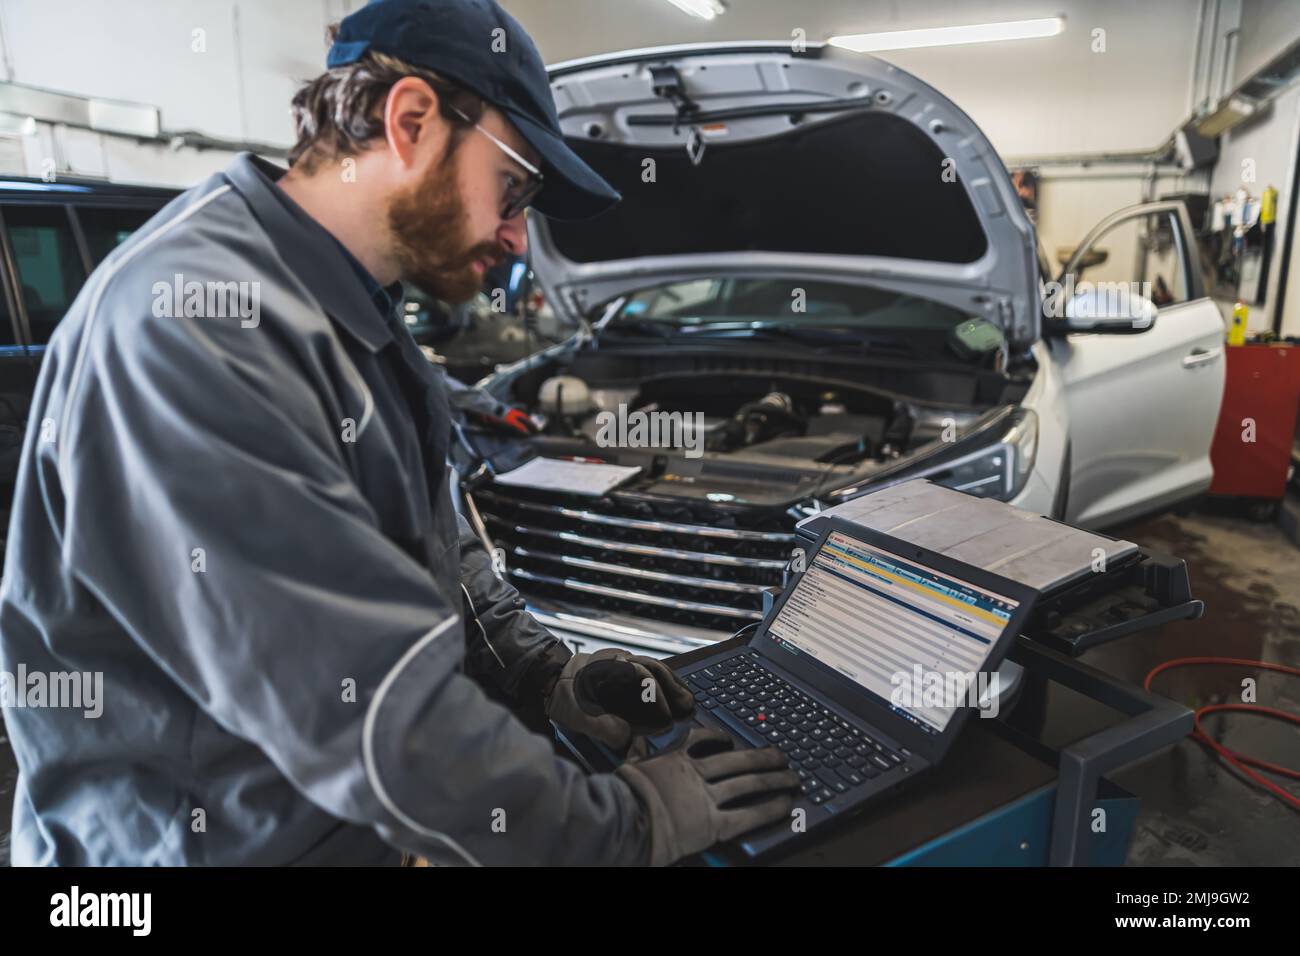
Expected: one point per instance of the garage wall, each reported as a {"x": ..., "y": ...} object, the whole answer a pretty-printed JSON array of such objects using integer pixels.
[
  {"x": 1291, "y": 306},
  {"x": 1267, "y": 28},
  {"x": 79, "y": 152},
  {"x": 237, "y": 87},
  {"x": 1270, "y": 144},
  {"x": 1072, "y": 201},
  {"x": 220, "y": 67}
]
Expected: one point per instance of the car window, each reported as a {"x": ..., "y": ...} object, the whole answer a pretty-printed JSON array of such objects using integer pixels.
[
  {"x": 106, "y": 228},
  {"x": 1142, "y": 249},
  {"x": 50, "y": 270},
  {"x": 675, "y": 299},
  {"x": 8, "y": 333}
]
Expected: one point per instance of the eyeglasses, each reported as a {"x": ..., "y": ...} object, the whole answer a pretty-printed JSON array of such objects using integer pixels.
[{"x": 519, "y": 196}]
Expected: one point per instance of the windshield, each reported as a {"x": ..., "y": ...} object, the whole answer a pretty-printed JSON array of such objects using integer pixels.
[{"x": 782, "y": 302}]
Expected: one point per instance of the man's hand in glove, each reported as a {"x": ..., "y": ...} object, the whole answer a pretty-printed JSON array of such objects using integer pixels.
[
  {"x": 482, "y": 409},
  {"x": 703, "y": 792},
  {"x": 614, "y": 695},
  {"x": 506, "y": 419}
]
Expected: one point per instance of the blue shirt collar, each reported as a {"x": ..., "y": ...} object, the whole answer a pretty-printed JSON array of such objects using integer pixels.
[
  {"x": 342, "y": 286},
  {"x": 386, "y": 298}
]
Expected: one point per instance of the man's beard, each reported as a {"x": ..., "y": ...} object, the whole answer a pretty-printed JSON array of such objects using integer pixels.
[{"x": 428, "y": 226}]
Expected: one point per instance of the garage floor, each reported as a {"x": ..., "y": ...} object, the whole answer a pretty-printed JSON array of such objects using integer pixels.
[{"x": 1194, "y": 812}]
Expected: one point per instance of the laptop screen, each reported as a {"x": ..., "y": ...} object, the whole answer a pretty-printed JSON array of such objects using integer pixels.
[{"x": 913, "y": 637}]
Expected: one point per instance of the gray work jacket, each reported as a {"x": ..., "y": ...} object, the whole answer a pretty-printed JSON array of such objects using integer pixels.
[{"x": 232, "y": 506}]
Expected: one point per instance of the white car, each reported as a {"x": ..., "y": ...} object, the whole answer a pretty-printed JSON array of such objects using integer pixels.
[{"x": 822, "y": 269}]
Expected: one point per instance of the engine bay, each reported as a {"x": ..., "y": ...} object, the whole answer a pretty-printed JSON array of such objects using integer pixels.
[
  {"x": 756, "y": 427},
  {"x": 757, "y": 415}
]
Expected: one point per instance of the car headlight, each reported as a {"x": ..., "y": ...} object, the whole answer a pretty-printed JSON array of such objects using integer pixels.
[{"x": 999, "y": 470}]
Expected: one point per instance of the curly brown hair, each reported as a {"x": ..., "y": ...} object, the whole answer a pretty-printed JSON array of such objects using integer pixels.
[{"x": 340, "y": 112}]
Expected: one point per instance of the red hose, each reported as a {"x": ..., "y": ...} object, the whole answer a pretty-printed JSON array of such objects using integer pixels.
[{"x": 1242, "y": 762}]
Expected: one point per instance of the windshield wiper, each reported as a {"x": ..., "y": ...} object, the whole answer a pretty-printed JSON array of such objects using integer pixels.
[{"x": 644, "y": 327}]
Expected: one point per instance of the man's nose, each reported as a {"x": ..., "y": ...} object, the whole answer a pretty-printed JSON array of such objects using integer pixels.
[{"x": 513, "y": 235}]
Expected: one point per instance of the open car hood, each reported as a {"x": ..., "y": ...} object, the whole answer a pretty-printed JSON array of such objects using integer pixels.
[{"x": 871, "y": 176}]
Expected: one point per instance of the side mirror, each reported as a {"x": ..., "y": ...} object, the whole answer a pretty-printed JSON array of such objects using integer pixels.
[{"x": 1113, "y": 307}]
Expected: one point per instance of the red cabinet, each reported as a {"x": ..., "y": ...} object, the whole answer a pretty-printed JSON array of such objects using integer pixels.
[{"x": 1260, "y": 398}]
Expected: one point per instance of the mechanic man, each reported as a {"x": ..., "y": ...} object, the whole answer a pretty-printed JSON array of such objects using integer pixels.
[{"x": 234, "y": 505}]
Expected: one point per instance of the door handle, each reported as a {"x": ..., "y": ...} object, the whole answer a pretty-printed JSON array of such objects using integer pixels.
[{"x": 1198, "y": 357}]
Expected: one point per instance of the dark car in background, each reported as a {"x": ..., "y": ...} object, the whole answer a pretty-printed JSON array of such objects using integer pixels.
[{"x": 52, "y": 235}]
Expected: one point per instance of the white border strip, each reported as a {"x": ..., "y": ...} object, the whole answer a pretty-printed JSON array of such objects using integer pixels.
[{"x": 368, "y": 745}]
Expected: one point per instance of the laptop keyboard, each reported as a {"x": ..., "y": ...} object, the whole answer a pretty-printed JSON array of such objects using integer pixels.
[{"x": 831, "y": 756}]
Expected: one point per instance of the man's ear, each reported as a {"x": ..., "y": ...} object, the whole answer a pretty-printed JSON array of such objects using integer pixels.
[{"x": 412, "y": 123}]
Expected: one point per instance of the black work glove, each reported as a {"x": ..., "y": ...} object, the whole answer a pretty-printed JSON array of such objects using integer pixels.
[
  {"x": 703, "y": 792},
  {"x": 614, "y": 695}
]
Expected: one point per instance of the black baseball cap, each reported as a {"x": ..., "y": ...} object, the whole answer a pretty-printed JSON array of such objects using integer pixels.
[{"x": 479, "y": 46}]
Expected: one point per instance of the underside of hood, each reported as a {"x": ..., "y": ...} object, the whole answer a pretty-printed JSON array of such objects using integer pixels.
[{"x": 754, "y": 160}]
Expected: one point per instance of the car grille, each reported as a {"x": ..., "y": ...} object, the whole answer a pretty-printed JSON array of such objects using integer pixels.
[{"x": 665, "y": 562}]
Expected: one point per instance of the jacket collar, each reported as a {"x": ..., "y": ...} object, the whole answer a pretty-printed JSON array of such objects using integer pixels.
[{"x": 310, "y": 250}]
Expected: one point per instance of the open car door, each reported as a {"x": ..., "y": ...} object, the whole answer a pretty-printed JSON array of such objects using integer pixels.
[{"x": 1143, "y": 392}]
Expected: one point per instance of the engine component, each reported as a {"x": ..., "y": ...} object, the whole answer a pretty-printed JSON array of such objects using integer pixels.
[
  {"x": 775, "y": 415},
  {"x": 564, "y": 396},
  {"x": 609, "y": 399},
  {"x": 975, "y": 339}
]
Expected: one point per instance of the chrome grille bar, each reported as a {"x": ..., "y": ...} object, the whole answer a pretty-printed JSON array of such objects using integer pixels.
[
  {"x": 646, "y": 549},
  {"x": 664, "y": 576},
  {"x": 720, "y": 609},
  {"x": 641, "y": 524}
]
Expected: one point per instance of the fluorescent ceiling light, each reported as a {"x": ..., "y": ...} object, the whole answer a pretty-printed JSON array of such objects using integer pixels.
[
  {"x": 949, "y": 36},
  {"x": 1228, "y": 114},
  {"x": 704, "y": 9}
]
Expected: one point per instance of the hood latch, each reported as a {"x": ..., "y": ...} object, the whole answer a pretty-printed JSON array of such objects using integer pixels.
[{"x": 666, "y": 82}]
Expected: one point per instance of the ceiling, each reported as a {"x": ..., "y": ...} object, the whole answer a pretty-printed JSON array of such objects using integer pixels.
[
  {"x": 1032, "y": 97},
  {"x": 1053, "y": 95}
]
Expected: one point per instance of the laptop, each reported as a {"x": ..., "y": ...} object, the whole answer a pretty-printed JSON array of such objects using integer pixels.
[{"x": 839, "y": 673}]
